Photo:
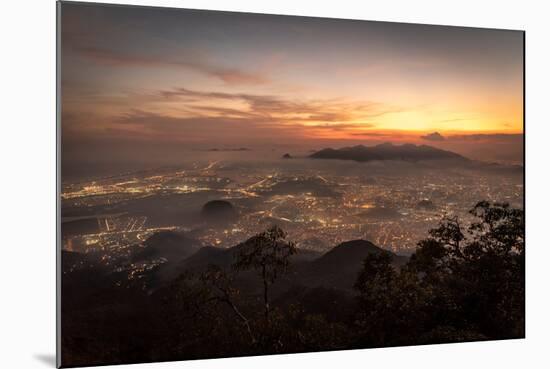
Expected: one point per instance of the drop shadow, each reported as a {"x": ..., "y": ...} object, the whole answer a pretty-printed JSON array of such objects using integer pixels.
[{"x": 48, "y": 359}]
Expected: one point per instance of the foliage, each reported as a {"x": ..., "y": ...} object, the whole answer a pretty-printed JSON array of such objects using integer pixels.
[
  {"x": 459, "y": 285},
  {"x": 269, "y": 254},
  {"x": 463, "y": 283}
]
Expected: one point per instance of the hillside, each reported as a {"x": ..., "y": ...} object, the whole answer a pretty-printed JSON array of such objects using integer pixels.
[{"x": 338, "y": 268}]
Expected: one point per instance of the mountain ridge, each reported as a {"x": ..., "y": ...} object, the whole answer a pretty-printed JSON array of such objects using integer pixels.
[
  {"x": 388, "y": 151},
  {"x": 336, "y": 268}
]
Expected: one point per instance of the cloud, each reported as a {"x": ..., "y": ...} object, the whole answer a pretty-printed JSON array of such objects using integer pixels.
[
  {"x": 164, "y": 124},
  {"x": 180, "y": 113},
  {"x": 453, "y": 120},
  {"x": 193, "y": 95},
  {"x": 435, "y": 136},
  {"x": 207, "y": 114},
  {"x": 230, "y": 76},
  {"x": 277, "y": 108},
  {"x": 344, "y": 127},
  {"x": 152, "y": 122}
]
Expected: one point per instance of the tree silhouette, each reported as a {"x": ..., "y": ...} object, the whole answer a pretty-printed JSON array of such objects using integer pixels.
[
  {"x": 391, "y": 303},
  {"x": 222, "y": 290},
  {"x": 462, "y": 283},
  {"x": 268, "y": 253}
]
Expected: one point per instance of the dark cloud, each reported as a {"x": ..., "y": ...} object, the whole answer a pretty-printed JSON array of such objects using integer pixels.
[{"x": 435, "y": 136}]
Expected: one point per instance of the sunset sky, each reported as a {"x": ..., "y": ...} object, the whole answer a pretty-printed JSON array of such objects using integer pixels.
[{"x": 148, "y": 74}]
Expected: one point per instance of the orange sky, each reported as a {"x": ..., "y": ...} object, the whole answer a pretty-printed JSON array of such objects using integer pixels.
[{"x": 189, "y": 76}]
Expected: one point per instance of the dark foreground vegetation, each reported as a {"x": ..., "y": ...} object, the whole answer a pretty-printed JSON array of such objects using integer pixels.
[{"x": 265, "y": 296}]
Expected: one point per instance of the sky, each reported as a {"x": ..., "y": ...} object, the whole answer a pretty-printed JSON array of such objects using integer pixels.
[{"x": 153, "y": 77}]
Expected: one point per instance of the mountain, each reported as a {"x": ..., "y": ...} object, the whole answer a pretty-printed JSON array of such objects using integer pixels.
[
  {"x": 205, "y": 256},
  {"x": 346, "y": 253},
  {"x": 387, "y": 151},
  {"x": 338, "y": 268},
  {"x": 225, "y": 257},
  {"x": 173, "y": 246},
  {"x": 218, "y": 211}
]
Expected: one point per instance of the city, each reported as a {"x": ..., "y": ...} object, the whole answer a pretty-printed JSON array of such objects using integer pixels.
[{"x": 319, "y": 208}]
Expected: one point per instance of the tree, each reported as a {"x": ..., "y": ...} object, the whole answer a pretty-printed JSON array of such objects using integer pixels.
[
  {"x": 392, "y": 303},
  {"x": 462, "y": 283},
  {"x": 479, "y": 274},
  {"x": 500, "y": 230},
  {"x": 222, "y": 290},
  {"x": 268, "y": 253}
]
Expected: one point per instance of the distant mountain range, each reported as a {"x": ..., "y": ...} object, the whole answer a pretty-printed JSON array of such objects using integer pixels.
[{"x": 388, "y": 151}]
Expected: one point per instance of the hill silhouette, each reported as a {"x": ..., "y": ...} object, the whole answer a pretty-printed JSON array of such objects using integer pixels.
[
  {"x": 207, "y": 255},
  {"x": 346, "y": 253},
  {"x": 387, "y": 151},
  {"x": 225, "y": 257},
  {"x": 173, "y": 246},
  {"x": 218, "y": 211},
  {"x": 338, "y": 268}
]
